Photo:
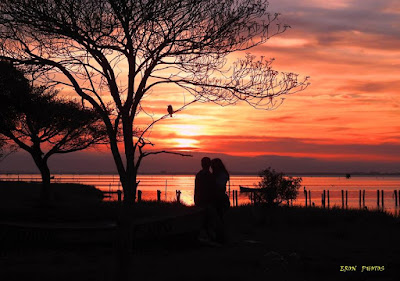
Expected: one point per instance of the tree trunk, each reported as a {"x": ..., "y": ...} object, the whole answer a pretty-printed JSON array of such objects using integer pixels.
[
  {"x": 129, "y": 186},
  {"x": 127, "y": 176},
  {"x": 128, "y": 172},
  {"x": 131, "y": 170},
  {"x": 45, "y": 193}
]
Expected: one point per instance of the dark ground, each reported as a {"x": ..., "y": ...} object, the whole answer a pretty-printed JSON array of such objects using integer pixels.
[{"x": 262, "y": 244}]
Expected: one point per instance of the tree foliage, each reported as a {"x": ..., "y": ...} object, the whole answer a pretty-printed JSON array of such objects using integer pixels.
[
  {"x": 122, "y": 50},
  {"x": 276, "y": 188},
  {"x": 39, "y": 122}
]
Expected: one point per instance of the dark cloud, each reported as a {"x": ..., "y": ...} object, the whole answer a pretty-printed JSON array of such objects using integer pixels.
[
  {"x": 325, "y": 119},
  {"x": 322, "y": 148},
  {"x": 367, "y": 16},
  {"x": 389, "y": 151},
  {"x": 371, "y": 86}
]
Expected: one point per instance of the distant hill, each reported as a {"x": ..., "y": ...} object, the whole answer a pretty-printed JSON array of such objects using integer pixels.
[{"x": 101, "y": 162}]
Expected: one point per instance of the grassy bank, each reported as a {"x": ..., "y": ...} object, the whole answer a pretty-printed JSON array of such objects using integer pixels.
[
  {"x": 23, "y": 193},
  {"x": 288, "y": 244},
  {"x": 283, "y": 243},
  {"x": 19, "y": 201}
]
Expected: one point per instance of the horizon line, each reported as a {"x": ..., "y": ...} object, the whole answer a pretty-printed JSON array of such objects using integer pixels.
[{"x": 235, "y": 173}]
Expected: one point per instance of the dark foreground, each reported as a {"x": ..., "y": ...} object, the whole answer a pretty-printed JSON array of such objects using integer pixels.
[{"x": 262, "y": 244}]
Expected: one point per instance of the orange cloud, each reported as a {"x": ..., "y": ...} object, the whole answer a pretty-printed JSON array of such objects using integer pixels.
[{"x": 351, "y": 50}]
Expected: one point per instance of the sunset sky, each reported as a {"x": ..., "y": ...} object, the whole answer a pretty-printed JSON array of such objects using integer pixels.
[
  {"x": 351, "y": 50},
  {"x": 349, "y": 113}
]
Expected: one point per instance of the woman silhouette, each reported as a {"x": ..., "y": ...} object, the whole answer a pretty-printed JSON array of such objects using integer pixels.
[
  {"x": 221, "y": 177},
  {"x": 220, "y": 174}
]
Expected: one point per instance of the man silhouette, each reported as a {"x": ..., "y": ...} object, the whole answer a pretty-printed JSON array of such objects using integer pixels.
[
  {"x": 204, "y": 189},
  {"x": 203, "y": 186}
]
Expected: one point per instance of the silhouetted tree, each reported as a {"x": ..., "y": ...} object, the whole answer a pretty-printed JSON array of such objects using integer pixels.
[
  {"x": 276, "y": 187},
  {"x": 43, "y": 125},
  {"x": 157, "y": 42}
]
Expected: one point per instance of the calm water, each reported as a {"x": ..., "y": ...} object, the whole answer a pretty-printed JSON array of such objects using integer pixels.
[{"x": 168, "y": 184}]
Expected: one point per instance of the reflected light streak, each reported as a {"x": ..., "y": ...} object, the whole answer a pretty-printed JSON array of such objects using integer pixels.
[{"x": 184, "y": 143}]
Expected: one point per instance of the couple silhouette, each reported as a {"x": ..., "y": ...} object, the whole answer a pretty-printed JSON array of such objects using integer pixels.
[{"x": 210, "y": 194}]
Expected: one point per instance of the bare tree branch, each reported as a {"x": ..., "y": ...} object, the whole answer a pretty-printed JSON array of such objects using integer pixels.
[{"x": 112, "y": 53}]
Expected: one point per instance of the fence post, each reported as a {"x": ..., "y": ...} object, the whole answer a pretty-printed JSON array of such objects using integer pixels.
[
  {"x": 158, "y": 195},
  {"x": 359, "y": 199},
  {"x": 178, "y": 196},
  {"x": 342, "y": 199},
  {"x": 233, "y": 198},
  {"x": 377, "y": 198},
  {"x": 346, "y": 199},
  {"x": 309, "y": 197},
  {"x": 139, "y": 195},
  {"x": 383, "y": 204},
  {"x": 119, "y": 192},
  {"x": 236, "y": 197},
  {"x": 305, "y": 196},
  {"x": 395, "y": 198}
]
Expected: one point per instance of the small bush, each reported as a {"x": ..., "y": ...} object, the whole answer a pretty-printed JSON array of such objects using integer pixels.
[{"x": 275, "y": 188}]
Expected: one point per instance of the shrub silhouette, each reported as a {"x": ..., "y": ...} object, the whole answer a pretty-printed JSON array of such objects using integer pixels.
[{"x": 274, "y": 187}]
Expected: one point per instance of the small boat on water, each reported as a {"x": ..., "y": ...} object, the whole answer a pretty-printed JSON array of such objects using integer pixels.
[{"x": 248, "y": 189}]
